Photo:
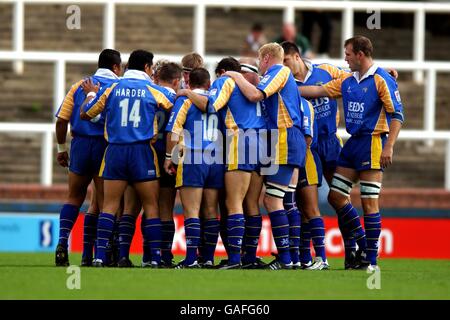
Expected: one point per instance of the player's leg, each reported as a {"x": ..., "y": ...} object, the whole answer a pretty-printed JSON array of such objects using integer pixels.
[
  {"x": 127, "y": 225},
  {"x": 210, "y": 214},
  {"x": 223, "y": 223},
  {"x": 90, "y": 228},
  {"x": 148, "y": 193},
  {"x": 348, "y": 218},
  {"x": 293, "y": 214},
  {"x": 370, "y": 184},
  {"x": 253, "y": 223},
  {"x": 113, "y": 192},
  {"x": 310, "y": 180},
  {"x": 78, "y": 185},
  {"x": 191, "y": 199},
  {"x": 236, "y": 186},
  {"x": 276, "y": 187},
  {"x": 166, "y": 206},
  {"x": 309, "y": 206}
]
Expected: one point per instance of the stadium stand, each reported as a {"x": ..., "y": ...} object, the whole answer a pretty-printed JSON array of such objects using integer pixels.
[{"x": 28, "y": 97}]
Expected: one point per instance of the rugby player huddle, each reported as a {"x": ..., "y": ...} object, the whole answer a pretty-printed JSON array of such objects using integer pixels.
[{"x": 162, "y": 127}]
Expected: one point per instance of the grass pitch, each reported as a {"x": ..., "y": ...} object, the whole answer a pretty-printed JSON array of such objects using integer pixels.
[{"x": 33, "y": 276}]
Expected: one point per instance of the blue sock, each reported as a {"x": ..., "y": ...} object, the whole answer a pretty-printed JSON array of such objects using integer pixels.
[
  {"x": 192, "y": 232},
  {"x": 351, "y": 225},
  {"x": 235, "y": 231},
  {"x": 294, "y": 235},
  {"x": 372, "y": 223},
  {"x": 200, "y": 249},
  {"x": 127, "y": 226},
  {"x": 104, "y": 231},
  {"x": 146, "y": 257},
  {"x": 67, "y": 218},
  {"x": 153, "y": 234},
  {"x": 89, "y": 233},
  {"x": 168, "y": 232},
  {"x": 224, "y": 233},
  {"x": 349, "y": 242},
  {"x": 317, "y": 229},
  {"x": 290, "y": 205},
  {"x": 211, "y": 229},
  {"x": 253, "y": 225},
  {"x": 305, "y": 243},
  {"x": 280, "y": 231}
]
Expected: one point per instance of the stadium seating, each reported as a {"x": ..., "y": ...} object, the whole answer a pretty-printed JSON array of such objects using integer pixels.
[{"x": 29, "y": 97}]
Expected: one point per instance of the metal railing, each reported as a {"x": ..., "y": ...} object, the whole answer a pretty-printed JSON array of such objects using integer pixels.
[
  {"x": 47, "y": 130},
  {"x": 347, "y": 8}
]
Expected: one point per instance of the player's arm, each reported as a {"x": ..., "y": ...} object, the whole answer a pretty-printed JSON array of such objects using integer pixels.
[
  {"x": 174, "y": 129},
  {"x": 171, "y": 143},
  {"x": 308, "y": 123},
  {"x": 97, "y": 105},
  {"x": 313, "y": 92},
  {"x": 62, "y": 156},
  {"x": 91, "y": 91},
  {"x": 161, "y": 99},
  {"x": 331, "y": 89},
  {"x": 63, "y": 116},
  {"x": 388, "y": 149},
  {"x": 388, "y": 92},
  {"x": 248, "y": 90},
  {"x": 200, "y": 101}
]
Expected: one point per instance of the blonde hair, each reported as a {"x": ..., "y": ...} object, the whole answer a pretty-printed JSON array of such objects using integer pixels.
[
  {"x": 273, "y": 49},
  {"x": 191, "y": 61}
]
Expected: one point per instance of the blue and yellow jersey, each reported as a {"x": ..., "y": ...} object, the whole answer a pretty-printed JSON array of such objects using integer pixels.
[
  {"x": 70, "y": 107},
  {"x": 309, "y": 120},
  {"x": 197, "y": 130},
  {"x": 282, "y": 103},
  {"x": 235, "y": 110},
  {"x": 370, "y": 103},
  {"x": 131, "y": 105},
  {"x": 326, "y": 109},
  {"x": 163, "y": 118}
]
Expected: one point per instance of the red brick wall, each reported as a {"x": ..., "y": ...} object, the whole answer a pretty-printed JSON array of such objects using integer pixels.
[{"x": 390, "y": 198}]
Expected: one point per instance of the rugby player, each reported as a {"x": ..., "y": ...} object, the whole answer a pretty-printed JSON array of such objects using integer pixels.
[
  {"x": 242, "y": 120},
  {"x": 131, "y": 105},
  {"x": 198, "y": 175},
  {"x": 280, "y": 100},
  {"x": 86, "y": 152},
  {"x": 373, "y": 116}
]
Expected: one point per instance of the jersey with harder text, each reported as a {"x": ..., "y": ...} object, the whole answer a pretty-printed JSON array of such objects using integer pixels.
[
  {"x": 70, "y": 108},
  {"x": 131, "y": 106},
  {"x": 235, "y": 110},
  {"x": 369, "y": 103}
]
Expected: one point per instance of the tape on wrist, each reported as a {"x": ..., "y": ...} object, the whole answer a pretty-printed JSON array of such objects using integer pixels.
[
  {"x": 168, "y": 156},
  {"x": 61, "y": 147},
  {"x": 91, "y": 94}
]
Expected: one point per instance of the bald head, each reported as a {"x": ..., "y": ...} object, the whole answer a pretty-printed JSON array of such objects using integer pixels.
[{"x": 289, "y": 32}]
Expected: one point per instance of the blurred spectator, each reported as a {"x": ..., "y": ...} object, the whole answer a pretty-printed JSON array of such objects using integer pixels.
[
  {"x": 290, "y": 34},
  {"x": 323, "y": 20},
  {"x": 255, "y": 40}
]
